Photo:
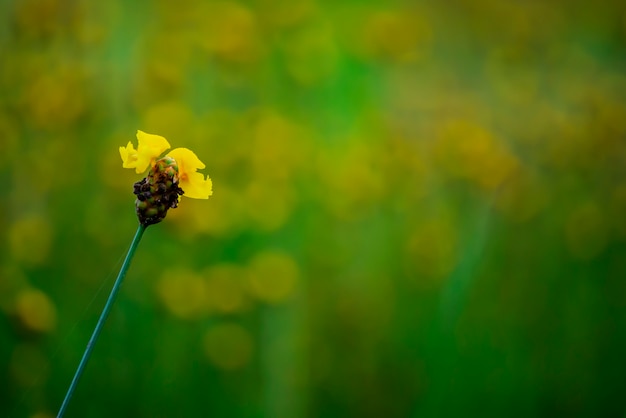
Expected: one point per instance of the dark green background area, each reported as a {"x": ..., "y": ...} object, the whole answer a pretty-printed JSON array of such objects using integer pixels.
[{"x": 418, "y": 210}]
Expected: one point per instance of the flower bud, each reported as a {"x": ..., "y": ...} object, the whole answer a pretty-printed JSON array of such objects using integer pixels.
[{"x": 158, "y": 192}]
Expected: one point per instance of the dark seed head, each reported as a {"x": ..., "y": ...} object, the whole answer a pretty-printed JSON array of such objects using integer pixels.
[{"x": 157, "y": 193}]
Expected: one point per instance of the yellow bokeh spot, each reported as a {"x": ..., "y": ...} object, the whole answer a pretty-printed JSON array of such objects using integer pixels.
[
  {"x": 56, "y": 98},
  {"x": 228, "y": 346},
  {"x": 184, "y": 293},
  {"x": 30, "y": 239},
  {"x": 225, "y": 288},
  {"x": 469, "y": 151},
  {"x": 396, "y": 35},
  {"x": 586, "y": 231},
  {"x": 35, "y": 310},
  {"x": 273, "y": 276},
  {"x": 36, "y": 18},
  {"x": 231, "y": 34},
  {"x": 355, "y": 183}
]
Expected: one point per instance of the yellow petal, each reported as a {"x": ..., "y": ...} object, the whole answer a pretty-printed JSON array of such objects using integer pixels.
[
  {"x": 149, "y": 148},
  {"x": 196, "y": 186},
  {"x": 153, "y": 145},
  {"x": 193, "y": 184},
  {"x": 188, "y": 161},
  {"x": 129, "y": 155}
]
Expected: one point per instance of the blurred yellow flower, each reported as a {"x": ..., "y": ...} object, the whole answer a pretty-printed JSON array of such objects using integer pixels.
[
  {"x": 36, "y": 310},
  {"x": 273, "y": 276},
  {"x": 149, "y": 149}
]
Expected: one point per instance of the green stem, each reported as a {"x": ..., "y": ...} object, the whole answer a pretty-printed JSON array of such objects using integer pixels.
[{"x": 103, "y": 317}]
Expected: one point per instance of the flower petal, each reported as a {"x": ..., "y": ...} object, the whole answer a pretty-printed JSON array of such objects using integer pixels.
[
  {"x": 196, "y": 186},
  {"x": 188, "y": 161},
  {"x": 193, "y": 184},
  {"x": 129, "y": 156},
  {"x": 149, "y": 148}
]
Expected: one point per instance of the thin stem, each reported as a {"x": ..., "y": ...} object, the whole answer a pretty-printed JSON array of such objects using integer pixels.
[{"x": 103, "y": 317}]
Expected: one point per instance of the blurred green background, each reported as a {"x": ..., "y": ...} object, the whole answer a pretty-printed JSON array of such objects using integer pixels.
[{"x": 418, "y": 210}]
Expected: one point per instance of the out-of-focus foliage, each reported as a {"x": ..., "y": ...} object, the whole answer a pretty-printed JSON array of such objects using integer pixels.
[{"x": 419, "y": 208}]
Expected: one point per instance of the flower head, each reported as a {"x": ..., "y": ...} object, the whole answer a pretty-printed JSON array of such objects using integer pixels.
[
  {"x": 169, "y": 177},
  {"x": 150, "y": 147}
]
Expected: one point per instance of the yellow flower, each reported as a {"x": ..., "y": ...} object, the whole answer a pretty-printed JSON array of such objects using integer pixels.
[
  {"x": 193, "y": 183},
  {"x": 147, "y": 154},
  {"x": 150, "y": 147}
]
